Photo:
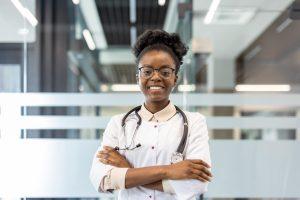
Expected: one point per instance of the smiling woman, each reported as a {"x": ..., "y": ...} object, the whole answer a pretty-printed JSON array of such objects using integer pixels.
[{"x": 148, "y": 153}]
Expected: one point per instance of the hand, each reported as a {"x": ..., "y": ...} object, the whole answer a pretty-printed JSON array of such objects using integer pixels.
[
  {"x": 110, "y": 156},
  {"x": 189, "y": 169}
]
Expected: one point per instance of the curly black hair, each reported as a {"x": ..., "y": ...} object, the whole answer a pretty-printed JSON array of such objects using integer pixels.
[{"x": 160, "y": 40}]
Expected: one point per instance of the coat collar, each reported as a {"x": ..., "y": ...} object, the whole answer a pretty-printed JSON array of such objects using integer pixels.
[{"x": 161, "y": 116}]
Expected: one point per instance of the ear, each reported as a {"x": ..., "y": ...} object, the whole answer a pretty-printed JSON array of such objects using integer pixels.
[{"x": 175, "y": 80}]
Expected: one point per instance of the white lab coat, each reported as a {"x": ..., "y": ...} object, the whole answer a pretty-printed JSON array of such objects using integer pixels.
[{"x": 158, "y": 141}]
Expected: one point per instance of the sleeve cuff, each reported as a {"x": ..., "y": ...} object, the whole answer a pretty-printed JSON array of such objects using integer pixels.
[
  {"x": 117, "y": 178},
  {"x": 167, "y": 186}
]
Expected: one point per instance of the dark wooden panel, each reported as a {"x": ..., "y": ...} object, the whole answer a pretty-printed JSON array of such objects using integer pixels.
[{"x": 278, "y": 61}]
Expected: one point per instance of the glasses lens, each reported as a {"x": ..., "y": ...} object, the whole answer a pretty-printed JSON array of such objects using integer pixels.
[
  {"x": 146, "y": 72},
  {"x": 166, "y": 72}
]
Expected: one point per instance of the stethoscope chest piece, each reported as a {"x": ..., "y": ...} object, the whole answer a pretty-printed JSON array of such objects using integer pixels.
[{"x": 176, "y": 157}]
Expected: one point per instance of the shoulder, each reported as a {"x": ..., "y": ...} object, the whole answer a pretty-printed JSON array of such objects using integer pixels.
[
  {"x": 117, "y": 119},
  {"x": 197, "y": 125},
  {"x": 194, "y": 117}
]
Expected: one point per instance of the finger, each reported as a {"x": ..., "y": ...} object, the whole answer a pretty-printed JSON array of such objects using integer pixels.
[
  {"x": 108, "y": 162},
  {"x": 108, "y": 148},
  {"x": 107, "y": 152},
  {"x": 103, "y": 155},
  {"x": 202, "y": 179},
  {"x": 203, "y": 169},
  {"x": 199, "y": 161},
  {"x": 104, "y": 151},
  {"x": 197, "y": 177},
  {"x": 104, "y": 161},
  {"x": 99, "y": 153},
  {"x": 201, "y": 174},
  {"x": 112, "y": 162}
]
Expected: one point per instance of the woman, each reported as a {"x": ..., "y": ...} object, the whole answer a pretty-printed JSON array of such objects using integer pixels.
[{"x": 139, "y": 159}]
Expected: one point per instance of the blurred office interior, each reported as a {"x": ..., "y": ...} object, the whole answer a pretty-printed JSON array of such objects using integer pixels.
[{"x": 66, "y": 67}]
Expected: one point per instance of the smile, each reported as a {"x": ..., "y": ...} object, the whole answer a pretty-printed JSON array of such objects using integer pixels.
[{"x": 155, "y": 88}]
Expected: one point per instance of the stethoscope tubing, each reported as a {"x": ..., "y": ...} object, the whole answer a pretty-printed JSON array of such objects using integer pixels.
[{"x": 183, "y": 140}]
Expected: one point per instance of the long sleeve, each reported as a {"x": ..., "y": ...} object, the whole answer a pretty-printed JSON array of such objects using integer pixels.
[
  {"x": 99, "y": 170},
  {"x": 197, "y": 148}
]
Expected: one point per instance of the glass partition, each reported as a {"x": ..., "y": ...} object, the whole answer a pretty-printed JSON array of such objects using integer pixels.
[{"x": 66, "y": 67}]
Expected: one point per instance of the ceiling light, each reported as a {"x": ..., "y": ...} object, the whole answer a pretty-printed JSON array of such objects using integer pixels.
[
  {"x": 186, "y": 88},
  {"x": 132, "y": 11},
  {"x": 25, "y": 12},
  {"x": 253, "y": 53},
  {"x": 161, "y": 2},
  {"x": 76, "y": 2},
  {"x": 89, "y": 39},
  {"x": 81, "y": 88},
  {"x": 23, "y": 31},
  {"x": 283, "y": 25},
  {"x": 212, "y": 9},
  {"x": 104, "y": 88},
  {"x": 90, "y": 14},
  {"x": 125, "y": 88},
  {"x": 233, "y": 15},
  {"x": 262, "y": 88},
  {"x": 133, "y": 34}
]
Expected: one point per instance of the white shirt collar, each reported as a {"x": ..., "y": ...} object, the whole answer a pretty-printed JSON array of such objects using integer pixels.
[{"x": 161, "y": 116}]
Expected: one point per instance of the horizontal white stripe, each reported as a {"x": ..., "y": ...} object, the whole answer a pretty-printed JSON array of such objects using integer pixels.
[
  {"x": 263, "y": 88},
  {"x": 131, "y": 99},
  {"x": 83, "y": 122}
]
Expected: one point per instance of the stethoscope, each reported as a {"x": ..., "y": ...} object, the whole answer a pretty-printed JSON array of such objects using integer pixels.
[{"x": 176, "y": 156}]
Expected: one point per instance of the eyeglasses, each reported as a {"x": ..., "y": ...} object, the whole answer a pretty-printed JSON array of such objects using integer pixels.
[{"x": 164, "y": 72}]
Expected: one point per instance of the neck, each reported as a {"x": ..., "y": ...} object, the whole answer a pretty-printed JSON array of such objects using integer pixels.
[{"x": 154, "y": 107}]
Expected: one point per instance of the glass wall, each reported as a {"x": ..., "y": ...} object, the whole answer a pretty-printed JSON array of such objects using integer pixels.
[{"x": 66, "y": 67}]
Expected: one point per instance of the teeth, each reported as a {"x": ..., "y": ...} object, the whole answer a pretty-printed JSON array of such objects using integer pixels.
[{"x": 155, "y": 88}]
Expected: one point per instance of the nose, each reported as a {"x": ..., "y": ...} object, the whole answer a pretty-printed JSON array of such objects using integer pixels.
[{"x": 155, "y": 75}]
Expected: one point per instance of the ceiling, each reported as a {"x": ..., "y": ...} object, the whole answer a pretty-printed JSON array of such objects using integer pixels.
[
  {"x": 12, "y": 23},
  {"x": 229, "y": 40},
  {"x": 115, "y": 18}
]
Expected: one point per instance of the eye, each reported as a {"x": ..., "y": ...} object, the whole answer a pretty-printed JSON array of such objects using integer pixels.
[
  {"x": 166, "y": 72},
  {"x": 147, "y": 71}
]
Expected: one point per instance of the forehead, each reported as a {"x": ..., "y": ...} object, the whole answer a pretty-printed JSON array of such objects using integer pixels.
[{"x": 156, "y": 58}]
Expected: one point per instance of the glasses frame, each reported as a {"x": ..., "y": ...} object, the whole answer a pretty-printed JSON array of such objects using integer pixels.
[{"x": 158, "y": 70}]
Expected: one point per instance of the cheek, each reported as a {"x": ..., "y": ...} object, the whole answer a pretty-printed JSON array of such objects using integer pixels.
[
  {"x": 171, "y": 84},
  {"x": 142, "y": 84}
]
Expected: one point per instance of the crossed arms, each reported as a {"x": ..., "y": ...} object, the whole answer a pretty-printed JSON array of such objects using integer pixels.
[{"x": 151, "y": 177}]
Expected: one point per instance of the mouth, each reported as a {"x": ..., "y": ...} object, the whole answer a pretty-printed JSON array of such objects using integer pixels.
[{"x": 155, "y": 88}]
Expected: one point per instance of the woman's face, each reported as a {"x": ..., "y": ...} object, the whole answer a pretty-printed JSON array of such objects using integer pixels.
[{"x": 157, "y": 88}]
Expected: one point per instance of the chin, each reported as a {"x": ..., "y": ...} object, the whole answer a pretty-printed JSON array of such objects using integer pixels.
[{"x": 157, "y": 98}]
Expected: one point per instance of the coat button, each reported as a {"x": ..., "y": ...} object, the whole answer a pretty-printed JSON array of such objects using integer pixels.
[
  {"x": 152, "y": 147},
  {"x": 150, "y": 196},
  {"x": 155, "y": 126}
]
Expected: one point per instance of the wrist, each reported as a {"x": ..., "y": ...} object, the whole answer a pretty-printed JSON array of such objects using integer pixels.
[{"x": 164, "y": 171}]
